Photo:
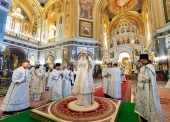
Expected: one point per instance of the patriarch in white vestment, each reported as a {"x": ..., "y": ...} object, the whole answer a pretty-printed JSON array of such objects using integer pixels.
[
  {"x": 17, "y": 97},
  {"x": 114, "y": 86},
  {"x": 67, "y": 81},
  {"x": 84, "y": 87},
  {"x": 37, "y": 87},
  {"x": 55, "y": 92},
  {"x": 147, "y": 98},
  {"x": 106, "y": 79},
  {"x": 49, "y": 79}
]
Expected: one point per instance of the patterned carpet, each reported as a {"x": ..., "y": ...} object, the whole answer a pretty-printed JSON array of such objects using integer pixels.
[
  {"x": 102, "y": 110},
  {"x": 165, "y": 102}
]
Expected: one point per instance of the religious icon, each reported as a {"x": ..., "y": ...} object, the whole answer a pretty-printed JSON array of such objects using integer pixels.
[
  {"x": 118, "y": 42},
  {"x": 59, "y": 8},
  {"x": 128, "y": 41},
  {"x": 26, "y": 28},
  {"x": 122, "y": 30},
  {"x": 117, "y": 32},
  {"x": 86, "y": 28},
  {"x": 128, "y": 30},
  {"x": 86, "y": 9},
  {"x": 61, "y": 19},
  {"x": 60, "y": 31}
]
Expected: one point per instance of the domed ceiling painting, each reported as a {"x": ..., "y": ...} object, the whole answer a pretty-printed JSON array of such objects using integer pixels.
[{"x": 115, "y": 6}]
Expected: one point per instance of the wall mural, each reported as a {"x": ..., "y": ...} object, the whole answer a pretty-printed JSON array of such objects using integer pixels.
[
  {"x": 86, "y": 29},
  {"x": 86, "y": 9},
  {"x": 167, "y": 10},
  {"x": 60, "y": 26},
  {"x": 45, "y": 31}
]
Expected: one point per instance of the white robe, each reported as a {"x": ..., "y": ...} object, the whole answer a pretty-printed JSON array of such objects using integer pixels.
[
  {"x": 114, "y": 86},
  {"x": 55, "y": 92},
  {"x": 49, "y": 81},
  {"x": 147, "y": 97},
  {"x": 105, "y": 80},
  {"x": 38, "y": 86},
  {"x": 84, "y": 86},
  {"x": 17, "y": 97},
  {"x": 66, "y": 83}
]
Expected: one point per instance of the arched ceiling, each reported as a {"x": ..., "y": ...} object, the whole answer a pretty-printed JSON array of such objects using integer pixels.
[{"x": 114, "y": 7}]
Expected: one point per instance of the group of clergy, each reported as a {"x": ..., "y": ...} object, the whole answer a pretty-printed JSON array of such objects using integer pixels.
[
  {"x": 112, "y": 79},
  {"x": 31, "y": 82}
]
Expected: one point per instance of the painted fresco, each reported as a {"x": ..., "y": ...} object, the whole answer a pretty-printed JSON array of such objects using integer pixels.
[
  {"x": 60, "y": 26},
  {"x": 86, "y": 9},
  {"x": 86, "y": 29},
  {"x": 45, "y": 32}
]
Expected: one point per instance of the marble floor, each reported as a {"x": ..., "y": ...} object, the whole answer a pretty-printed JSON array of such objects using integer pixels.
[{"x": 98, "y": 84}]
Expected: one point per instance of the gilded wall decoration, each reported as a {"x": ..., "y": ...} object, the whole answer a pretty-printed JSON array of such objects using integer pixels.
[
  {"x": 166, "y": 4},
  {"x": 85, "y": 29},
  {"x": 45, "y": 31},
  {"x": 60, "y": 26},
  {"x": 86, "y": 9}
]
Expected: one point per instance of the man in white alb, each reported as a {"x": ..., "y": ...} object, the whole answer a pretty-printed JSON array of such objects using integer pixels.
[
  {"x": 37, "y": 87},
  {"x": 114, "y": 85},
  {"x": 18, "y": 97},
  {"x": 66, "y": 81},
  {"x": 84, "y": 87}
]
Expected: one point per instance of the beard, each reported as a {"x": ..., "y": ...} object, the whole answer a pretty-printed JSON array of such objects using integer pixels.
[{"x": 83, "y": 57}]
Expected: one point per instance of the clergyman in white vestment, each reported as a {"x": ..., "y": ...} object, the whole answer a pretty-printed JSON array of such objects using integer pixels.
[
  {"x": 55, "y": 92},
  {"x": 17, "y": 97},
  {"x": 49, "y": 79},
  {"x": 66, "y": 81},
  {"x": 106, "y": 79},
  {"x": 147, "y": 98},
  {"x": 114, "y": 86},
  {"x": 37, "y": 87},
  {"x": 84, "y": 87}
]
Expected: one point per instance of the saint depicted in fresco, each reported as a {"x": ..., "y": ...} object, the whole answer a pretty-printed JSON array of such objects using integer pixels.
[
  {"x": 86, "y": 30},
  {"x": 60, "y": 31},
  {"x": 86, "y": 9},
  {"x": 26, "y": 28},
  {"x": 61, "y": 19}
]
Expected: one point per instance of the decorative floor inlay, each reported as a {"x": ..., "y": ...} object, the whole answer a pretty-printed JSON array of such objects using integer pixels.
[{"x": 67, "y": 110}]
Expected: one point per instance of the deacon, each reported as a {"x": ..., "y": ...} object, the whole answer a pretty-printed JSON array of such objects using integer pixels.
[
  {"x": 67, "y": 81},
  {"x": 55, "y": 92},
  {"x": 106, "y": 79},
  {"x": 17, "y": 97},
  {"x": 37, "y": 87},
  {"x": 84, "y": 86},
  {"x": 49, "y": 80},
  {"x": 114, "y": 86},
  {"x": 147, "y": 97}
]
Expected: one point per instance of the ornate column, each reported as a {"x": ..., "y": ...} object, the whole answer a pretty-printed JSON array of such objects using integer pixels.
[{"x": 4, "y": 8}]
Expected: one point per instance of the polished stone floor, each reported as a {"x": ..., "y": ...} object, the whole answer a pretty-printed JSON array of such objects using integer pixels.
[{"x": 164, "y": 98}]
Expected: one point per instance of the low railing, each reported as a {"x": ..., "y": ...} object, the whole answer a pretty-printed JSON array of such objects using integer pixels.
[{"x": 25, "y": 36}]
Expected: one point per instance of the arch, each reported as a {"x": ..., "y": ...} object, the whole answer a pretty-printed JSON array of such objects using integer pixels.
[
  {"x": 127, "y": 51},
  {"x": 19, "y": 52},
  {"x": 129, "y": 15},
  {"x": 50, "y": 60}
]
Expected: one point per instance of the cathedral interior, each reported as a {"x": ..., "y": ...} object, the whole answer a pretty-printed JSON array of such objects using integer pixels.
[{"x": 114, "y": 31}]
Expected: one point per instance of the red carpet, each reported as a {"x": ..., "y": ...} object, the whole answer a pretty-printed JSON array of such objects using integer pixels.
[{"x": 126, "y": 91}]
